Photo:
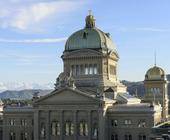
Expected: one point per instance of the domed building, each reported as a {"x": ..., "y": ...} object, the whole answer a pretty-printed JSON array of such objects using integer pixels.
[
  {"x": 91, "y": 58},
  {"x": 89, "y": 102},
  {"x": 156, "y": 88},
  {"x": 155, "y": 73}
]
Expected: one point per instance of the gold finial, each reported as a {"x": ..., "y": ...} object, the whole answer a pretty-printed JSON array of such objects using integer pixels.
[{"x": 90, "y": 21}]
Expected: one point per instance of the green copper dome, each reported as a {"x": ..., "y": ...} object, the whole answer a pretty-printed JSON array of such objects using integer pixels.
[{"x": 90, "y": 38}]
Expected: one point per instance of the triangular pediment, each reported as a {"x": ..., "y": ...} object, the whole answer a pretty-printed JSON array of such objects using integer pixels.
[{"x": 67, "y": 96}]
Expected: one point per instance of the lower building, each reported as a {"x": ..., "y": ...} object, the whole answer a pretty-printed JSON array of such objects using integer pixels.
[{"x": 70, "y": 114}]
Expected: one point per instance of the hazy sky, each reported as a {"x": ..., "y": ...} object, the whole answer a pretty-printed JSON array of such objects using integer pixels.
[{"x": 33, "y": 34}]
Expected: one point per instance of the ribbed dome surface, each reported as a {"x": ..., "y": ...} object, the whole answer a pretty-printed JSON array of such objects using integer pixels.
[
  {"x": 90, "y": 38},
  {"x": 155, "y": 73}
]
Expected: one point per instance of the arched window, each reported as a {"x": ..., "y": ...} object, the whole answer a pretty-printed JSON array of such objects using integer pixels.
[
  {"x": 42, "y": 130},
  {"x": 69, "y": 128},
  {"x": 12, "y": 136},
  {"x": 23, "y": 122},
  {"x": 142, "y": 137},
  {"x": 55, "y": 128},
  {"x": 114, "y": 137},
  {"x": 95, "y": 131},
  {"x": 142, "y": 123},
  {"x": 114, "y": 123},
  {"x": 128, "y": 122},
  {"x": 83, "y": 128},
  {"x": 128, "y": 137},
  {"x": 24, "y": 136},
  {"x": 12, "y": 121}
]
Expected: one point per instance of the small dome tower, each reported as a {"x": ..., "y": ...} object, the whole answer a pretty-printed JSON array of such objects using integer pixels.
[{"x": 156, "y": 88}]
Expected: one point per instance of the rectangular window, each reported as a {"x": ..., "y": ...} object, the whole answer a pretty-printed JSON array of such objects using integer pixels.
[
  {"x": 128, "y": 122},
  {"x": 24, "y": 136},
  {"x": 12, "y": 136},
  {"x": 112, "y": 70},
  {"x": 128, "y": 137},
  {"x": 90, "y": 69},
  {"x": 114, "y": 137},
  {"x": 95, "y": 70},
  {"x": 86, "y": 70}
]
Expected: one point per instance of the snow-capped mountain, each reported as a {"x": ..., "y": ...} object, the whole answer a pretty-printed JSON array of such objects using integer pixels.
[{"x": 22, "y": 86}]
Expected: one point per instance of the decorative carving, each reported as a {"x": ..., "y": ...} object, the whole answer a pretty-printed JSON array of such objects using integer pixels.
[{"x": 64, "y": 80}]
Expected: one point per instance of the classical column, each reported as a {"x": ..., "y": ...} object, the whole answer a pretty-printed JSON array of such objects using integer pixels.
[
  {"x": 89, "y": 125},
  {"x": 48, "y": 125},
  {"x": 75, "y": 124},
  {"x": 5, "y": 128},
  {"x": 36, "y": 125},
  {"x": 61, "y": 125},
  {"x": 101, "y": 125}
]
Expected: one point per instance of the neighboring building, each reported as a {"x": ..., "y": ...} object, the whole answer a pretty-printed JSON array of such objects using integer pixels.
[
  {"x": 156, "y": 88},
  {"x": 89, "y": 102},
  {"x": 168, "y": 79},
  {"x": 18, "y": 123},
  {"x": 161, "y": 131}
]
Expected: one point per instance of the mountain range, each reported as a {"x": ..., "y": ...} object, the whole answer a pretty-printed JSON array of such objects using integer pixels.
[
  {"x": 22, "y": 91},
  {"x": 17, "y": 86}
]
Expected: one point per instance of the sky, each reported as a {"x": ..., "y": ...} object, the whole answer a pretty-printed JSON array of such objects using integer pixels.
[{"x": 33, "y": 34}]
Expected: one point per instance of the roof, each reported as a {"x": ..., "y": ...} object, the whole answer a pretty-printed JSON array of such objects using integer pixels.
[
  {"x": 18, "y": 109},
  {"x": 90, "y": 38},
  {"x": 155, "y": 73},
  {"x": 142, "y": 107},
  {"x": 126, "y": 98}
]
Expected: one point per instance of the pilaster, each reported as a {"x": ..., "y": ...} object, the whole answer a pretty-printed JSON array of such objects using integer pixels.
[
  {"x": 101, "y": 131},
  {"x": 75, "y": 124},
  {"x": 36, "y": 123},
  {"x": 61, "y": 125},
  {"x": 89, "y": 125},
  {"x": 48, "y": 125}
]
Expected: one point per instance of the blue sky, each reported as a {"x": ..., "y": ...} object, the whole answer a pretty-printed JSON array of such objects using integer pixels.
[{"x": 33, "y": 34}]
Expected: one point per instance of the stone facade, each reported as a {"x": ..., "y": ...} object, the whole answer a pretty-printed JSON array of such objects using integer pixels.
[{"x": 88, "y": 103}]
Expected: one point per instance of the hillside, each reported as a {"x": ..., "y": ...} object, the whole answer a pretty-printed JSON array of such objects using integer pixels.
[
  {"x": 22, "y": 94},
  {"x": 135, "y": 88}
]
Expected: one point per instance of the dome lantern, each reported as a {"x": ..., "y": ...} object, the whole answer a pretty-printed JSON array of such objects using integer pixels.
[{"x": 90, "y": 20}]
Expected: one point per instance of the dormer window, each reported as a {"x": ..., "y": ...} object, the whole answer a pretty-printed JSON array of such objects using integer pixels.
[{"x": 85, "y": 35}]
